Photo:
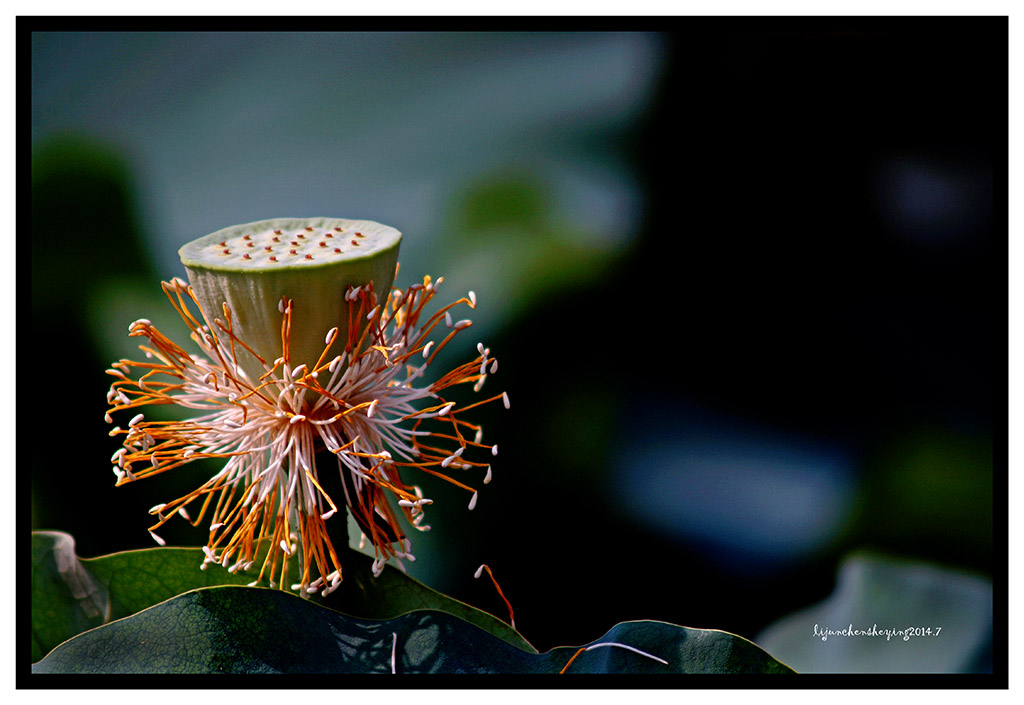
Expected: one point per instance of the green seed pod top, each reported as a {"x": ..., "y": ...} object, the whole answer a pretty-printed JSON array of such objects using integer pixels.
[{"x": 311, "y": 261}]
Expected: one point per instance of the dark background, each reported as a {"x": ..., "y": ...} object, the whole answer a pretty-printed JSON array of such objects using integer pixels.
[{"x": 798, "y": 351}]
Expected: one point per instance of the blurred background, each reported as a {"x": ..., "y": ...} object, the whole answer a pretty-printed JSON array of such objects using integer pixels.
[{"x": 741, "y": 278}]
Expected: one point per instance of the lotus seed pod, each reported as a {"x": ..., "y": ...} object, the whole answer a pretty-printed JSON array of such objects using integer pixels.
[{"x": 311, "y": 261}]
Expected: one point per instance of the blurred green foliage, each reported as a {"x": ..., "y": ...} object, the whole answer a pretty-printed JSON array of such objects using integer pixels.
[
  {"x": 929, "y": 492},
  {"x": 91, "y": 277}
]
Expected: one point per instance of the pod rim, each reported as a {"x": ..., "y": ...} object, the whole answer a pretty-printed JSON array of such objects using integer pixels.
[{"x": 255, "y": 248}]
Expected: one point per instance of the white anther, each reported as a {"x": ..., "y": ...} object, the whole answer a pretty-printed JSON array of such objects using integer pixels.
[
  {"x": 394, "y": 648},
  {"x": 155, "y": 509},
  {"x": 334, "y": 364},
  {"x": 280, "y": 305},
  {"x": 135, "y": 420},
  {"x": 158, "y": 539},
  {"x": 479, "y": 571},
  {"x": 504, "y": 398},
  {"x": 370, "y": 408},
  {"x": 210, "y": 557},
  {"x": 372, "y": 313},
  {"x": 153, "y": 460},
  {"x": 122, "y": 397},
  {"x": 426, "y": 349},
  {"x": 295, "y": 419},
  {"x": 184, "y": 514},
  {"x": 327, "y": 515},
  {"x": 116, "y": 457},
  {"x": 494, "y": 449},
  {"x": 458, "y": 453},
  {"x": 254, "y": 583},
  {"x": 479, "y": 435},
  {"x": 472, "y": 299},
  {"x": 284, "y": 547},
  {"x": 330, "y": 335},
  {"x": 494, "y": 365},
  {"x": 446, "y": 408},
  {"x": 297, "y": 372},
  {"x": 188, "y": 453},
  {"x": 216, "y": 525},
  {"x": 405, "y": 503},
  {"x": 448, "y": 319},
  {"x": 487, "y": 477},
  {"x": 464, "y": 323},
  {"x": 472, "y": 502},
  {"x": 480, "y": 348}
]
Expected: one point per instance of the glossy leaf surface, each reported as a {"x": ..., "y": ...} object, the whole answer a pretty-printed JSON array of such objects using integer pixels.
[
  {"x": 70, "y": 595},
  {"x": 260, "y": 630}
]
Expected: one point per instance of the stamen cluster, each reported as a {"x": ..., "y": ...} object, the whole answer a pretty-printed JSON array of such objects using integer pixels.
[{"x": 276, "y": 433}]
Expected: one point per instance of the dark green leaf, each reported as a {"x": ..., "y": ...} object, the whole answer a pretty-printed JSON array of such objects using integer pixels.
[
  {"x": 71, "y": 595},
  {"x": 259, "y": 630},
  {"x": 66, "y": 598}
]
